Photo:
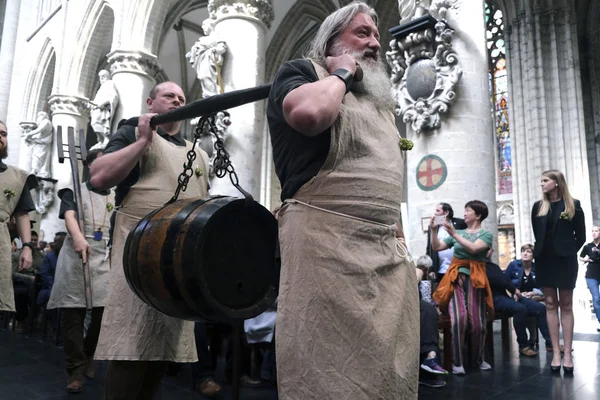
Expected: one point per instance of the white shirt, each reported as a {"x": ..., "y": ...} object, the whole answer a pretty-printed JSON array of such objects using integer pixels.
[{"x": 444, "y": 255}]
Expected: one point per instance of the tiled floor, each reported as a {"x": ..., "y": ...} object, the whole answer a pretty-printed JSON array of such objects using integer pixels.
[{"x": 31, "y": 368}]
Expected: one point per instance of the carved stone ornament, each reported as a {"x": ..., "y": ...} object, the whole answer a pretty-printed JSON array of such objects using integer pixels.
[
  {"x": 136, "y": 62},
  {"x": 425, "y": 68},
  {"x": 261, "y": 10},
  {"x": 72, "y": 105}
]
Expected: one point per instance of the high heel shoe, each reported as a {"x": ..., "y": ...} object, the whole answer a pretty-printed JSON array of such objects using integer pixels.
[
  {"x": 555, "y": 369},
  {"x": 568, "y": 370}
]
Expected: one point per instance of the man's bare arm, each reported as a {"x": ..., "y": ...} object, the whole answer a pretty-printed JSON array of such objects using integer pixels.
[
  {"x": 312, "y": 108},
  {"x": 110, "y": 169}
]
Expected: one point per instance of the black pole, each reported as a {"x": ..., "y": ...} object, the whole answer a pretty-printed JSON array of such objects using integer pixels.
[
  {"x": 238, "y": 329},
  {"x": 213, "y": 104}
]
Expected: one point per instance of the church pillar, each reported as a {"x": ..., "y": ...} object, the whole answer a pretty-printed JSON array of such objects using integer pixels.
[
  {"x": 243, "y": 27},
  {"x": 453, "y": 162},
  {"x": 133, "y": 73},
  {"x": 548, "y": 128},
  {"x": 7, "y": 52},
  {"x": 66, "y": 111}
]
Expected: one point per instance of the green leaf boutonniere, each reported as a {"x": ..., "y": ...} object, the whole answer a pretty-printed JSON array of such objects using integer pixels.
[
  {"x": 564, "y": 215},
  {"x": 9, "y": 193},
  {"x": 199, "y": 172},
  {"x": 109, "y": 206},
  {"x": 406, "y": 144}
]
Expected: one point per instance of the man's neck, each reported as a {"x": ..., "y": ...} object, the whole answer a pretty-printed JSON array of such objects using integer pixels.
[{"x": 171, "y": 128}]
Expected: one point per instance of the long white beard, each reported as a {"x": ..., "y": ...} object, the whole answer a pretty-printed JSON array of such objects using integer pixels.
[{"x": 375, "y": 84}]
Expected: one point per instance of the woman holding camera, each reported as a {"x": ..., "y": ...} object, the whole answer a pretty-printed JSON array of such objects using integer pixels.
[
  {"x": 464, "y": 292},
  {"x": 559, "y": 230}
]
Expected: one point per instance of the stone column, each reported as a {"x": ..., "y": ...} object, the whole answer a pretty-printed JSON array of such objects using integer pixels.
[
  {"x": 243, "y": 26},
  {"x": 7, "y": 52},
  {"x": 67, "y": 111},
  {"x": 133, "y": 73},
  {"x": 453, "y": 162},
  {"x": 548, "y": 128}
]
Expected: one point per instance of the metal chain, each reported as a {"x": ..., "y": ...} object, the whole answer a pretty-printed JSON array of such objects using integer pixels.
[{"x": 222, "y": 164}]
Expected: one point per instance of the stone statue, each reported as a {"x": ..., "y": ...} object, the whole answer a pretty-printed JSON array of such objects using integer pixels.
[
  {"x": 207, "y": 57},
  {"x": 103, "y": 108},
  {"x": 39, "y": 141},
  {"x": 44, "y": 195},
  {"x": 412, "y": 9}
]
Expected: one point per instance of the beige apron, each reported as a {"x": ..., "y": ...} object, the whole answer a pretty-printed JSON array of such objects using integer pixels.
[
  {"x": 11, "y": 179},
  {"x": 68, "y": 290},
  {"x": 348, "y": 313},
  {"x": 132, "y": 330}
]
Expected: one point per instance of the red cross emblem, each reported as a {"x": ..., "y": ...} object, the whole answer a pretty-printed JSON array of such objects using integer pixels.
[{"x": 431, "y": 172}]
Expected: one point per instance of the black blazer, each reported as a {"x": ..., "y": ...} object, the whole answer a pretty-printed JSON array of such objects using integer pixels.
[
  {"x": 458, "y": 224},
  {"x": 567, "y": 236}
]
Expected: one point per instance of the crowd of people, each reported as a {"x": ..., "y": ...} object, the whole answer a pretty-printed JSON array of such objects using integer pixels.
[{"x": 350, "y": 320}]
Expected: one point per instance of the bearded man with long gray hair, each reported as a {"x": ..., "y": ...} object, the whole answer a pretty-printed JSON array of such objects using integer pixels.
[{"x": 348, "y": 312}]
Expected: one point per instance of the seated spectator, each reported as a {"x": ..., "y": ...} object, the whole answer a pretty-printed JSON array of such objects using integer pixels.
[
  {"x": 49, "y": 268},
  {"x": 513, "y": 305},
  {"x": 430, "y": 372},
  {"x": 424, "y": 264},
  {"x": 441, "y": 259},
  {"x": 522, "y": 275},
  {"x": 23, "y": 282},
  {"x": 42, "y": 246}
]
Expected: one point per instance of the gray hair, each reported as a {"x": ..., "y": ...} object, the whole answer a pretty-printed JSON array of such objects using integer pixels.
[
  {"x": 333, "y": 25},
  {"x": 424, "y": 262}
]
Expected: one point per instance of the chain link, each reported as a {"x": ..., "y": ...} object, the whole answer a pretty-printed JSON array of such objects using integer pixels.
[{"x": 222, "y": 164}]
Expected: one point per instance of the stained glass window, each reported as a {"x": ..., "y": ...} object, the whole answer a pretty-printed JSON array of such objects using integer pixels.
[{"x": 499, "y": 93}]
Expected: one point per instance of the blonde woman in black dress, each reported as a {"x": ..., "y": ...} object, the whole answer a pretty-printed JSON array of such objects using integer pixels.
[{"x": 559, "y": 229}]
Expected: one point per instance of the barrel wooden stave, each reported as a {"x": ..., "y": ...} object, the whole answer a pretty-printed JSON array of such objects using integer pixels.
[{"x": 168, "y": 262}]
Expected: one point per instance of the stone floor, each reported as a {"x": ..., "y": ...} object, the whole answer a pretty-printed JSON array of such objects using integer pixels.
[{"x": 31, "y": 368}]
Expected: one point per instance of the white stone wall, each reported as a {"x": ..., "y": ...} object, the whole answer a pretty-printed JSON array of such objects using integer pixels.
[
  {"x": 464, "y": 140},
  {"x": 548, "y": 130}
]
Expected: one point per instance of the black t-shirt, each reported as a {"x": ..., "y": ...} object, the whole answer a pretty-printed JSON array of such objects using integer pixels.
[
  {"x": 25, "y": 203},
  {"x": 122, "y": 138},
  {"x": 527, "y": 283},
  {"x": 297, "y": 157},
  {"x": 593, "y": 267}
]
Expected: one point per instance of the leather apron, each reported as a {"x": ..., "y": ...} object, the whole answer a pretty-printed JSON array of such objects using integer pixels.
[
  {"x": 132, "y": 330},
  {"x": 348, "y": 312},
  {"x": 11, "y": 180},
  {"x": 68, "y": 290}
]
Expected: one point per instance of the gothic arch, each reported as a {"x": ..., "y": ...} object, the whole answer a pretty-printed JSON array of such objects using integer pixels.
[
  {"x": 175, "y": 13},
  {"x": 302, "y": 14},
  {"x": 96, "y": 36},
  {"x": 39, "y": 82}
]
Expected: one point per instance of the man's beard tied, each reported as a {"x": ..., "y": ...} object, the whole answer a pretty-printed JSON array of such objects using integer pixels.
[
  {"x": 375, "y": 84},
  {"x": 4, "y": 152}
]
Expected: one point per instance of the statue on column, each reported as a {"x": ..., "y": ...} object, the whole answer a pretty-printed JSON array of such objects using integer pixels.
[
  {"x": 207, "y": 57},
  {"x": 44, "y": 195},
  {"x": 39, "y": 141},
  {"x": 413, "y": 9},
  {"x": 103, "y": 109}
]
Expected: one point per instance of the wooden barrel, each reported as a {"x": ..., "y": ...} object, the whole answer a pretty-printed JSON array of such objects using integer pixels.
[{"x": 205, "y": 259}]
